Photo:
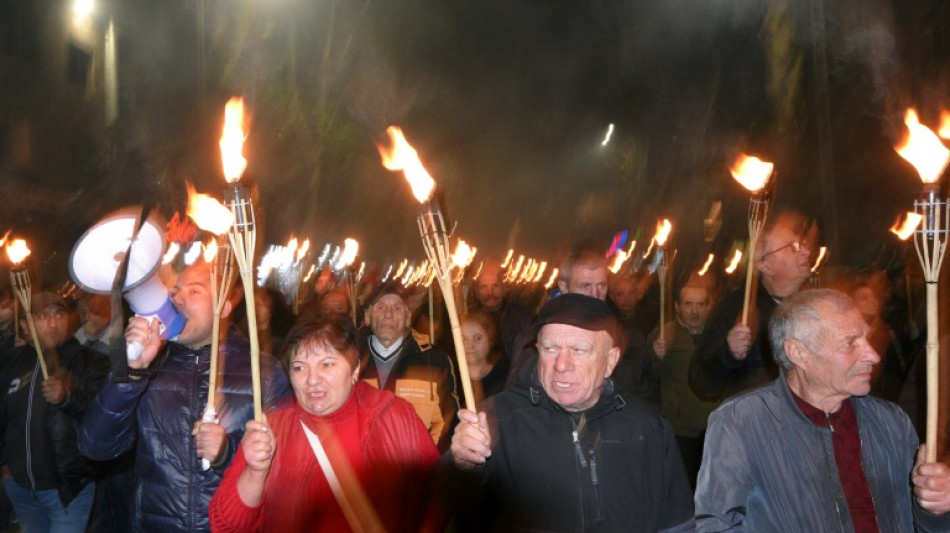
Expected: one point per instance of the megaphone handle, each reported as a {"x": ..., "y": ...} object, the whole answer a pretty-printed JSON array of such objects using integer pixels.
[
  {"x": 210, "y": 416},
  {"x": 134, "y": 350}
]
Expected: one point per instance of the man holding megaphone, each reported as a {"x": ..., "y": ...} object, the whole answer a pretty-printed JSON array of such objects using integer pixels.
[{"x": 159, "y": 409}]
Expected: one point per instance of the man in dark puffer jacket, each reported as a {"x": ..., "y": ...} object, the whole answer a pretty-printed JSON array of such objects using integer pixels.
[
  {"x": 49, "y": 483},
  {"x": 160, "y": 409}
]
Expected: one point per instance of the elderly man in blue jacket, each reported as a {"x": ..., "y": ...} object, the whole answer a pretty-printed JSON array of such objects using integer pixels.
[
  {"x": 159, "y": 410},
  {"x": 812, "y": 451}
]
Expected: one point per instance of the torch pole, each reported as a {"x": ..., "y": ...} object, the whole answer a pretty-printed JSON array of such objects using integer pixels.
[
  {"x": 20, "y": 282},
  {"x": 661, "y": 272},
  {"x": 221, "y": 271},
  {"x": 435, "y": 241},
  {"x": 243, "y": 237},
  {"x": 931, "y": 243},
  {"x": 758, "y": 212}
]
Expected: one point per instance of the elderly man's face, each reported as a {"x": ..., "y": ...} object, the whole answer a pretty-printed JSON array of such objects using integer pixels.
[
  {"x": 491, "y": 289},
  {"x": 693, "y": 307},
  {"x": 389, "y": 318},
  {"x": 589, "y": 280},
  {"x": 573, "y": 364},
  {"x": 842, "y": 363},
  {"x": 623, "y": 293}
]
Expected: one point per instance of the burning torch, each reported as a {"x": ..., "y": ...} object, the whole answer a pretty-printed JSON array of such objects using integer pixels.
[
  {"x": 663, "y": 230},
  {"x": 753, "y": 174},
  {"x": 242, "y": 233},
  {"x": 17, "y": 251},
  {"x": 402, "y": 156},
  {"x": 926, "y": 153},
  {"x": 213, "y": 217}
]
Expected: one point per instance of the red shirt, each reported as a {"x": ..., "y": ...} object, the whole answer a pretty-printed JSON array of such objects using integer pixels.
[{"x": 847, "y": 444}]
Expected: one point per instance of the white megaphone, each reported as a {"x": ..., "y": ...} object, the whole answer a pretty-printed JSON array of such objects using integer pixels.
[{"x": 96, "y": 257}]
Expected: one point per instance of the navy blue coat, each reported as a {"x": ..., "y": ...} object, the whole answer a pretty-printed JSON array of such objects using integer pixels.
[{"x": 157, "y": 415}]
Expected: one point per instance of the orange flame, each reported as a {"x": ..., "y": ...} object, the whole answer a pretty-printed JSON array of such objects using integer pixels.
[
  {"x": 552, "y": 279},
  {"x": 232, "y": 140},
  {"x": 208, "y": 213},
  {"x": 905, "y": 225},
  {"x": 702, "y": 271},
  {"x": 923, "y": 149},
  {"x": 663, "y": 230},
  {"x": 302, "y": 251},
  {"x": 821, "y": 257},
  {"x": 463, "y": 254},
  {"x": 5, "y": 237},
  {"x": 541, "y": 269},
  {"x": 751, "y": 172},
  {"x": 350, "y": 248},
  {"x": 17, "y": 251},
  {"x": 511, "y": 252},
  {"x": 211, "y": 250},
  {"x": 944, "y": 124},
  {"x": 619, "y": 258},
  {"x": 734, "y": 263},
  {"x": 402, "y": 156}
]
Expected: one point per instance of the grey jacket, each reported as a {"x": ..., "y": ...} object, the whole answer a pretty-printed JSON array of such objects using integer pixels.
[{"x": 766, "y": 467}]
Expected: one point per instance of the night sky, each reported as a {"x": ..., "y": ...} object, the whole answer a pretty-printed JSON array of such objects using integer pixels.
[{"x": 507, "y": 104}]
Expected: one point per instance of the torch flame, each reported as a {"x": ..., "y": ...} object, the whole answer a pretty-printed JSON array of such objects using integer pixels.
[
  {"x": 705, "y": 268},
  {"x": 734, "y": 263},
  {"x": 170, "y": 254},
  {"x": 17, "y": 251},
  {"x": 821, "y": 257},
  {"x": 923, "y": 149},
  {"x": 511, "y": 252},
  {"x": 662, "y": 232},
  {"x": 208, "y": 213},
  {"x": 463, "y": 255},
  {"x": 350, "y": 248},
  {"x": 619, "y": 258},
  {"x": 402, "y": 156},
  {"x": 751, "y": 172},
  {"x": 944, "y": 124},
  {"x": 905, "y": 228},
  {"x": 5, "y": 237},
  {"x": 302, "y": 251},
  {"x": 211, "y": 250},
  {"x": 232, "y": 140},
  {"x": 541, "y": 269},
  {"x": 552, "y": 279}
]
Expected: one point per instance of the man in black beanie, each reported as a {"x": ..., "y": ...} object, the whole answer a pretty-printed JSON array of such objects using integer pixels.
[{"x": 565, "y": 450}]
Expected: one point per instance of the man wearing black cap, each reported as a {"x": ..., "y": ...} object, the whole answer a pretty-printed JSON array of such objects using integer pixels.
[
  {"x": 566, "y": 451},
  {"x": 49, "y": 483},
  {"x": 394, "y": 359}
]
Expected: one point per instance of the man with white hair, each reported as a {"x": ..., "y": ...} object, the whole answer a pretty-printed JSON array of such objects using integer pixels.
[{"x": 812, "y": 451}]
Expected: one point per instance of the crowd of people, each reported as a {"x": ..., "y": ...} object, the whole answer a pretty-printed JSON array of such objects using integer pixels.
[{"x": 595, "y": 408}]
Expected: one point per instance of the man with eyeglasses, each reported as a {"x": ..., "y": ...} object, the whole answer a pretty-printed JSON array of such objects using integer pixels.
[
  {"x": 732, "y": 357},
  {"x": 49, "y": 483}
]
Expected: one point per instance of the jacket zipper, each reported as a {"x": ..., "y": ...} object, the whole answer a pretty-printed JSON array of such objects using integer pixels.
[{"x": 831, "y": 426}]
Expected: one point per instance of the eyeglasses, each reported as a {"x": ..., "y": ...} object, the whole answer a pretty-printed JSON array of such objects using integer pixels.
[{"x": 794, "y": 245}]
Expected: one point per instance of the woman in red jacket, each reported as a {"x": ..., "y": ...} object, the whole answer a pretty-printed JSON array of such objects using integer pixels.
[{"x": 345, "y": 452}]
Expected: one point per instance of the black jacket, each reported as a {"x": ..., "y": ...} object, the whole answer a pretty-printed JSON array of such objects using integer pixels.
[
  {"x": 714, "y": 373},
  {"x": 619, "y": 470},
  {"x": 157, "y": 414},
  {"x": 42, "y": 436}
]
